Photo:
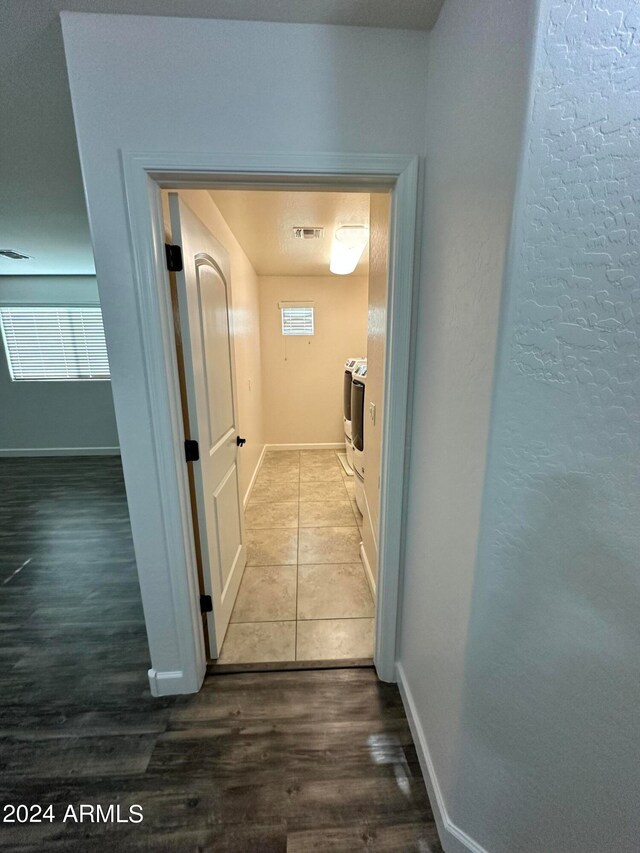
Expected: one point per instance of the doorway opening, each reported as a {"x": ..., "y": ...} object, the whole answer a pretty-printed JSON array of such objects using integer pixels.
[
  {"x": 280, "y": 326},
  {"x": 165, "y": 553}
]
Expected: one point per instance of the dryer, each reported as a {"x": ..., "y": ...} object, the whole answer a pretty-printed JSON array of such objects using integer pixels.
[
  {"x": 358, "y": 438},
  {"x": 349, "y": 367}
]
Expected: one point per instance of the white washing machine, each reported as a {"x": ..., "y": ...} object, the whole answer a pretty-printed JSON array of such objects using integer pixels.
[
  {"x": 358, "y": 389},
  {"x": 349, "y": 367}
]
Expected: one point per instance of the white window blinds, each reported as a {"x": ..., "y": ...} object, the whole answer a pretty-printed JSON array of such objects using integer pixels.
[
  {"x": 54, "y": 343},
  {"x": 297, "y": 320}
]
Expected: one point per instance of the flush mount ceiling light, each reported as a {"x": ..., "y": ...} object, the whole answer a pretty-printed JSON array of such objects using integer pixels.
[{"x": 348, "y": 245}]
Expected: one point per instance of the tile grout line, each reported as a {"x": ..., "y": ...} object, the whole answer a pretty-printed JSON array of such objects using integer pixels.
[
  {"x": 315, "y": 619},
  {"x": 286, "y": 565},
  {"x": 304, "y": 526},
  {"x": 319, "y": 529}
]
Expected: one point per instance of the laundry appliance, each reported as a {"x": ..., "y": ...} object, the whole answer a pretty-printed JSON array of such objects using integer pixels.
[
  {"x": 358, "y": 438},
  {"x": 350, "y": 365}
]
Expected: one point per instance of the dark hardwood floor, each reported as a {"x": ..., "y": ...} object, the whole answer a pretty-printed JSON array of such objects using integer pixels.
[{"x": 291, "y": 761}]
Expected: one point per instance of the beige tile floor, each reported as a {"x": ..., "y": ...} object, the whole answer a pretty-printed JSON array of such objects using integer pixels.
[{"x": 304, "y": 594}]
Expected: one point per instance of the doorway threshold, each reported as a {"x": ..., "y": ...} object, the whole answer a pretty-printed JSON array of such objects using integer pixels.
[{"x": 287, "y": 666}]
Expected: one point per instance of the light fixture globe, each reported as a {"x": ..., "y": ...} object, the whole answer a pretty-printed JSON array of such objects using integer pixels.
[{"x": 348, "y": 245}]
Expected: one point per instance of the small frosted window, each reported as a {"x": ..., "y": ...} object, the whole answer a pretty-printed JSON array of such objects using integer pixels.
[
  {"x": 297, "y": 320},
  {"x": 61, "y": 343}
]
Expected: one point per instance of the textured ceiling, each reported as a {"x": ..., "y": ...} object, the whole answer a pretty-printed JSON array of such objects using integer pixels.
[
  {"x": 263, "y": 222},
  {"x": 42, "y": 211}
]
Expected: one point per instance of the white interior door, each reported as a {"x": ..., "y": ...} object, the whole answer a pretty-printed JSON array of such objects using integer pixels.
[{"x": 205, "y": 323}]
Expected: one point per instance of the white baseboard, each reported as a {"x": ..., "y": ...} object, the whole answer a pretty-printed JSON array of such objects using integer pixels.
[
  {"x": 452, "y": 838},
  {"x": 367, "y": 570},
  {"x": 335, "y": 445},
  {"x": 172, "y": 683},
  {"x": 60, "y": 451},
  {"x": 374, "y": 532},
  {"x": 245, "y": 500}
]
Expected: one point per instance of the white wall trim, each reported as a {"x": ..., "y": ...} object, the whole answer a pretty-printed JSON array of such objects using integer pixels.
[
  {"x": 182, "y": 641},
  {"x": 335, "y": 445},
  {"x": 168, "y": 683},
  {"x": 452, "y": 838},
  {"x": 367, "y": 570},
  {"x": 398, "y": 368},
  {"x": 59, "y": 451},
  {"x": 374, "y": 532},
  {"x": 144, "y": 174},
  {"x": 252, "y": 481}
]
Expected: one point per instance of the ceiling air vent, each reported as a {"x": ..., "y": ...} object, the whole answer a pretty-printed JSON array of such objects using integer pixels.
[
  {"x": 302, "y": 233},
  {"x": 15, "y": 256}
]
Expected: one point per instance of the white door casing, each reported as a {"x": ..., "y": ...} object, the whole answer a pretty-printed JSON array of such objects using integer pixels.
[
  {"x": 204, "y": 302},
  {"x": 164, "y": 544}
]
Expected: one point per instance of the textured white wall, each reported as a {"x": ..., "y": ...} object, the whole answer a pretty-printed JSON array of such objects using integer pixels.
[
  {"x": 551, "y": 696},
  {"x": 231, "y": 86},
  {"x": 476, "y": 87},
  {"x": 522, "y": 666},
  {"x": 45, "y": 417}
]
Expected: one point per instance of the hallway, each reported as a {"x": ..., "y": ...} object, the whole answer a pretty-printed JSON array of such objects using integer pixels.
[
  {"x": 254, "y": 763},
  {"x": 304, "y": 595}
]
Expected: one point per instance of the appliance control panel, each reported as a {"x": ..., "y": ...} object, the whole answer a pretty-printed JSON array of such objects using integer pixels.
[{"x": 351, "y": 362}]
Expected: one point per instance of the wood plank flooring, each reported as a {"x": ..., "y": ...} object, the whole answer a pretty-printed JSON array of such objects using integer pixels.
[{"x": 283, "y": 761}]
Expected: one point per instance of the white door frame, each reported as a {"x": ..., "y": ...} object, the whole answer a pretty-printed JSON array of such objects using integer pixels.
[{"x": 145, "y": 174}]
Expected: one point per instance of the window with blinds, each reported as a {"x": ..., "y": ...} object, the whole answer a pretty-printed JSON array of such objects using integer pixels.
[
  {"x": 297, "y": 320},
  {"x": 54, "y": 343}
]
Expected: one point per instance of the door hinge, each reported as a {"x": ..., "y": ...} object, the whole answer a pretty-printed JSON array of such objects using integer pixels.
[
  {"x": 206, "y": 605},
  {"x": 191, "y": 450},
  {"x": 174, "y": 257}
]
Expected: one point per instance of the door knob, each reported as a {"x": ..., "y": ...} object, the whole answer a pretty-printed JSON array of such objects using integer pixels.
[{"x": 241, "y": 441}]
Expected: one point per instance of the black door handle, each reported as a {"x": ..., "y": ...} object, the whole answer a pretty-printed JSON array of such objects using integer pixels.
[{"x": 241, "y": 441}]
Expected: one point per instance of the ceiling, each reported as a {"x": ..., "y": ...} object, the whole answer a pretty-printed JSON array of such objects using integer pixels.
[
  {"x": 42, "y": 209},
  {"x": 263, "y": 222}
]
